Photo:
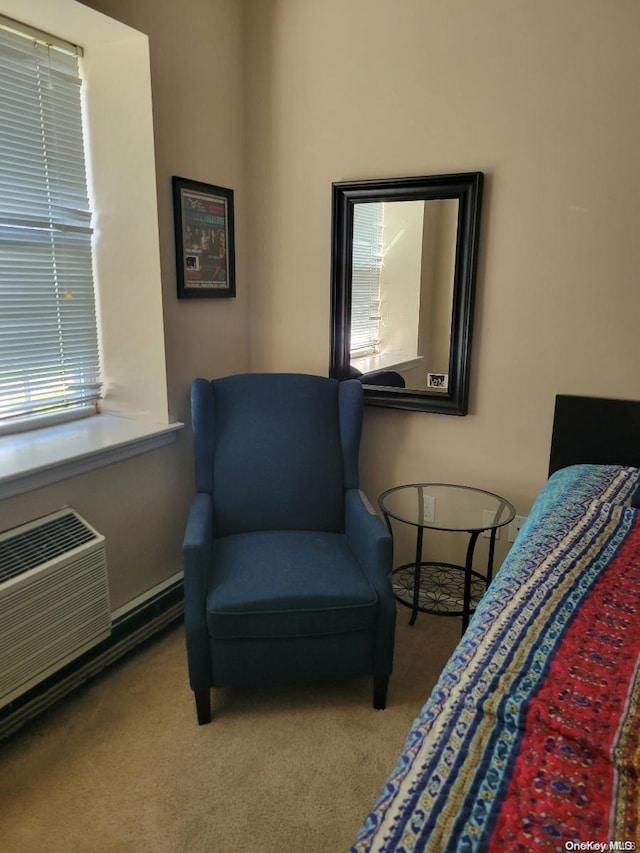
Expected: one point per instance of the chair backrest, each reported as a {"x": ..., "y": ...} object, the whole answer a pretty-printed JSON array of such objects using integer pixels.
[{"x": 276, "y": 451}]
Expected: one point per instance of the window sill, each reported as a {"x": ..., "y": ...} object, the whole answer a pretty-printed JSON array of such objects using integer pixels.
[
  {"x": 31, "y": 460},
  {"x": 391, "y": 360}
]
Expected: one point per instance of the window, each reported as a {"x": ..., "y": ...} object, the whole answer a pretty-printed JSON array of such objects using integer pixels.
[
  {"x": 368, "y": 228},
  {"x": 48, "y": 336},
  {"x": 133, "y": 413}
]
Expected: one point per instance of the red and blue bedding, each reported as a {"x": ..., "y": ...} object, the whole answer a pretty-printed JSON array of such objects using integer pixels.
[{"x": 531, "y": 737}]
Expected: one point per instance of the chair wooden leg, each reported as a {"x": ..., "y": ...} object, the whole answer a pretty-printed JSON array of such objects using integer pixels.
[
  {"x": 203, "y": 706},
  {"x": 380, "y": 685}
]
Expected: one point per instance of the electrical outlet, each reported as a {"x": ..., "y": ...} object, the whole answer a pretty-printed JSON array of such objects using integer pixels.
[
  {"x": 514, "y": 527},
  {"x": 488, "y": 516},
  {"x": 429, "y": 508}
]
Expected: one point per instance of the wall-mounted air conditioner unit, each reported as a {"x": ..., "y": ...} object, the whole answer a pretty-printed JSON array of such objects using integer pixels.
[{"x": 54, "y": 598}]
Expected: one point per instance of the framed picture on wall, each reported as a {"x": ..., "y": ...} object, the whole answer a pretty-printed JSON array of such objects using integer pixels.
[{"x": 205, "y": 240}]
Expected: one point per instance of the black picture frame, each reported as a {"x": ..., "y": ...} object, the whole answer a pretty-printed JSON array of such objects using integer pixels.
[{"x": 205, "y": 240}]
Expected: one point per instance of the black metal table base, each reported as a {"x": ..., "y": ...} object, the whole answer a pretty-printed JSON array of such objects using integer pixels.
[{"x": 440, "y": 589}]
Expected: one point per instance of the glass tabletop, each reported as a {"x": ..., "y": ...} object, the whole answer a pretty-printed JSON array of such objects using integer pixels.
[{"x": 443, "y": 506}]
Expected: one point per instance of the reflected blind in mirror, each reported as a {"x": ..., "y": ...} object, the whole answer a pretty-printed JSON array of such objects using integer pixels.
[
  {"x": 48, "y": 336},
  {"x": 368, "y": 227}
]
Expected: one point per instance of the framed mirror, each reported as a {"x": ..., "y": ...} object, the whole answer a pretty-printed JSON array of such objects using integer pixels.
[{"x": 404, "y": 259}]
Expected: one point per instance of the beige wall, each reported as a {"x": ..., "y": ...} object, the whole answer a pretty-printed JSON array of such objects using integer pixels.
[
  {"x": 400, "y": 275},
  {"x": 436, "y": 292},
  {"x": 537, "y": 94},
  {"x": 197, "y": 80},
  {"x": 439, "y": 319}
]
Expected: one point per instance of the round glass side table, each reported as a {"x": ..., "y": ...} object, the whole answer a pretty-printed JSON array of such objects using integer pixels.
[{"x": 435, "y": 587}]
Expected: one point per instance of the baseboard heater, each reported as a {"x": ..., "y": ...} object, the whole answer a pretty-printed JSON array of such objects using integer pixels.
[{"x": 56, "y": 629}]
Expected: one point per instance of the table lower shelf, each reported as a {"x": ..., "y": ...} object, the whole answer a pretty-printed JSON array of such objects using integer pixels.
[{"x": 441, "y": 588}]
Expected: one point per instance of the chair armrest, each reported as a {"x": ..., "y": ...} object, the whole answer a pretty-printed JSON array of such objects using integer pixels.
[
  {"x": 197, "y": 550},
  {"x": 198, "y": 542},
  {"x": 370, "y": 542},
  {"x": 369, "y": 539}
]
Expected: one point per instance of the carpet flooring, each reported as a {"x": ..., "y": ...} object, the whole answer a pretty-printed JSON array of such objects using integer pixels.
[{"x": 121, "y": 765}]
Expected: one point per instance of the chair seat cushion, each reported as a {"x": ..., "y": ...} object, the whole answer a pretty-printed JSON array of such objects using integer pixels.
[{"x": 287, "y": 584}]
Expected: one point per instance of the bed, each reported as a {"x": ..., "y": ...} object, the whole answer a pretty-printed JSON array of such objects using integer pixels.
[{"x": 530, "y": 740}]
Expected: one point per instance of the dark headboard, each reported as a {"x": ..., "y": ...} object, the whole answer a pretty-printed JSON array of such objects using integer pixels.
[{"x": 595, "y": 430}]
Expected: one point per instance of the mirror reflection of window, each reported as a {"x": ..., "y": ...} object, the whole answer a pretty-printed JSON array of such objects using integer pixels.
[
  {"x": 402, "y": 288},
  {"x": 368, "y": 228}
]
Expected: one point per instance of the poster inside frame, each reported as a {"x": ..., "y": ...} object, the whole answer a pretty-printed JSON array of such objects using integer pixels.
[{"x": 205, "y": 240}]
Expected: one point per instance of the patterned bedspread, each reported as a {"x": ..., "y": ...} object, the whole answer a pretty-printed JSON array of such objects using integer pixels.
[{"x": 530, "y": 739}]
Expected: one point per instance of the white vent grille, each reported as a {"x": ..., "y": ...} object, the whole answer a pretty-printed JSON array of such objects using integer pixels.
[{"x": 54, "y": 598}]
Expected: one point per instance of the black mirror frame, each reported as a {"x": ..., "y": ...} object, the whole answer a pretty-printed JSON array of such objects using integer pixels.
[{"x": 467, "y": 188}]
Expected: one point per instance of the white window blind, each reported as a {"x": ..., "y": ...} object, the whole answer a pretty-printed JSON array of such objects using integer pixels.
[
  {"x": 48, "y": 337},
  {"x": 368, "y": 227}
]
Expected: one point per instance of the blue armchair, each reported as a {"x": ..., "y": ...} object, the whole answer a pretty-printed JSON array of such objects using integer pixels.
[{"x": 286, "y": 565}]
